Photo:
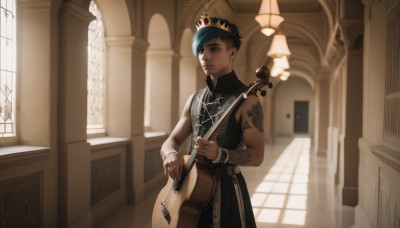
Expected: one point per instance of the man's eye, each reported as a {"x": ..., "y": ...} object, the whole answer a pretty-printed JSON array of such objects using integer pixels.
[{"x": 214, "y": 49}]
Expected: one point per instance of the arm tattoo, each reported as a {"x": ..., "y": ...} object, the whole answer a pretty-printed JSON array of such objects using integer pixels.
[
  {"x": 257, "y": 115},
  {"x": 238, "y": 157},
  {"x": 245, "y": 126}
]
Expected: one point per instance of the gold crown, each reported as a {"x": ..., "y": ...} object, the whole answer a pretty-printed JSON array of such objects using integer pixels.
[{"x": 206, "y": 21}]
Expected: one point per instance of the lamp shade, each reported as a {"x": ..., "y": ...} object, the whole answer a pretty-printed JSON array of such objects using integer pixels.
[
  {"x": 284, "y": 75},
  {"x": 279, "y": 47},
  {"x": 268, "y": 17},
  {"x": 282, "y": 62},
  {"x": 276, "y": 71}
]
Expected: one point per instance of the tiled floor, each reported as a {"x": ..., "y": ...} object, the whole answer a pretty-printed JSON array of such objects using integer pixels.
[{"x": 290, "y": 189}]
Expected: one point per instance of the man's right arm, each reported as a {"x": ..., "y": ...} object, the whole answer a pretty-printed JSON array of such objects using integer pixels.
[{"x": 169, "y": 150}]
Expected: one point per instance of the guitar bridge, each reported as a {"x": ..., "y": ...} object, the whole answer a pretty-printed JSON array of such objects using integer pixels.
[{"x": 165, "y": 213}]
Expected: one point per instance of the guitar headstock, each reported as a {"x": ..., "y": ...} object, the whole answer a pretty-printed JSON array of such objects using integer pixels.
[{"x": 263, "y": 75}]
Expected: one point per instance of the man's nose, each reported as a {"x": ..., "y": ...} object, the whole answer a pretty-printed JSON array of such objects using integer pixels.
[{"x": 206, "y": 55}]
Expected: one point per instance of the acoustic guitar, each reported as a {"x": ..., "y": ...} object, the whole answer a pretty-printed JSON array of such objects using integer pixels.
[{"x": 180, "y": 202}]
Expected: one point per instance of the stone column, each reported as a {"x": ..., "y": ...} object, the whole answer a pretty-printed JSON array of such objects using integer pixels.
[
  {"x": 135, "y": 172},
  {"x": 321, "y": 113},
  {"x": 353, "y": 31},
  {"x": 163, "y": 66},
  {"x": 125, "y": 99},
  {"x": 74, "y": 151}
]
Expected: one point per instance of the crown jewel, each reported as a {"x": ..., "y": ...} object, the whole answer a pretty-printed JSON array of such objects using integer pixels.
[{"x": 206, "y": 21}]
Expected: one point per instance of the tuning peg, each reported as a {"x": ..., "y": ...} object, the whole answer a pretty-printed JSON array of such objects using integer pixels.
[
  {"x": 270, "y": 85},
  {"x": 262, "y": 72},
  {"x": 263, "y": 93}
]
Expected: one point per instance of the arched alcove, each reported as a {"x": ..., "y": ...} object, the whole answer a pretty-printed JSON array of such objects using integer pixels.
[
  {"x": 162, "y": 85},
  {"x": 187, "y": 69},
  {"x": 119, "y": 75},
  {"x": 286, "y": 94},
  {"x": 116, "y": 17}
]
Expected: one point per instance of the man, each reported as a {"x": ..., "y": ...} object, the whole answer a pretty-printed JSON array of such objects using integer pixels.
[{"x": 239, "y": 142}]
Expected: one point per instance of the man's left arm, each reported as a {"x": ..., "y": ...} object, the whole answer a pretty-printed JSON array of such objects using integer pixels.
[{"x": 251, "y": 117}]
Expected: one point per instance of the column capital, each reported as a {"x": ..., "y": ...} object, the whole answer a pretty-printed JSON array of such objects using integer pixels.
[
  {"x": 337, "y": 50},
  {"x": 353, "y": 33},
  {"x": 27, "y": 6},
  {"x": 77, "y": 13}
]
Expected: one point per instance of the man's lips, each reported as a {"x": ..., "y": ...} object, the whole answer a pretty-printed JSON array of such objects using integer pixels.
[{"x": 207, "y": 66}]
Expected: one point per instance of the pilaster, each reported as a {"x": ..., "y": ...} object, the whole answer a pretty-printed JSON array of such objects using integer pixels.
[
  {"x": 321, "y": 113},
  {"x": 74, "y": 203},
  {"x": 353, "y": 33},
  {"x": 163, "y": 66}
]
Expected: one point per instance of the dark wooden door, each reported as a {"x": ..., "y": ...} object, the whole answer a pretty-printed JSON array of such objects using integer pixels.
[{"x": 301, "y": 117}]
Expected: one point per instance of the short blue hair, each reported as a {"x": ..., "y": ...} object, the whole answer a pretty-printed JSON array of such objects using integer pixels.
[{"x": 204, "y": 35}]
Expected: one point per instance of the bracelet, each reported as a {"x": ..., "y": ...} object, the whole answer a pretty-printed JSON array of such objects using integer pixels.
[
  {"x": 224, "y": 155},
  {"x": 166, "y": 155},
  {"x": 218, "y": 156}
]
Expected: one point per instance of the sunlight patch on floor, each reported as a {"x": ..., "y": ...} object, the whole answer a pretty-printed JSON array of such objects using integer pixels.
[{"x": 282, "y": 196}]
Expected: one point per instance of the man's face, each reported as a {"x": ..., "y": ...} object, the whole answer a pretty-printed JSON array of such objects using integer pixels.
[{"x": 216, "y": 58}]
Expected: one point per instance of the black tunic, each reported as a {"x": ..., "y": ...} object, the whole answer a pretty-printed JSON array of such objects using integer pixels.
[{"x": 207, "y": 106}]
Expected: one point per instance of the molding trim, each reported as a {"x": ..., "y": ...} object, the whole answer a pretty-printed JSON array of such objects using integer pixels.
[
  {"x": 21, "y": 155},
  {"x": 387, "y": 155}
]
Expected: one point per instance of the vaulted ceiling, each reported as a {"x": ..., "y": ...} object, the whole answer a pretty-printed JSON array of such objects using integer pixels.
[{"x": 308, "y": 27}]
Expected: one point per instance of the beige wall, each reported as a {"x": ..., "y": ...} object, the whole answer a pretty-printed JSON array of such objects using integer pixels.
[
  {"x": 285, "y": 95},
  {"x": 379, "y": 170},
  {"x": 56, "y": 158}
]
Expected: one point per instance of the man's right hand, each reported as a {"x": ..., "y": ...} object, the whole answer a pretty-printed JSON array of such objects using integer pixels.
[{"x": 173, "y": 165}]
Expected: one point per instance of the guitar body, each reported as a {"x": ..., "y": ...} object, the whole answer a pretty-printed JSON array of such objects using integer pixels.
[{"x": 182, "y": 208}]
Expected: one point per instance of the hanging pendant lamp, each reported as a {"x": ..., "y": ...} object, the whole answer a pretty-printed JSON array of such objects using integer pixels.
[
  {"x": 276, "y": 71},
  {"x": 268, "y": 17},
  {"x": 279, "y": 66},
  {"x": 282, "y": 62},
  {"x": 284, "y": 76},
  {"x": 279, "y": 47}
]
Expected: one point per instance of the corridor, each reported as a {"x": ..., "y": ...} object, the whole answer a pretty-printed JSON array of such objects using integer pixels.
[{"x": 292, "y": 188}]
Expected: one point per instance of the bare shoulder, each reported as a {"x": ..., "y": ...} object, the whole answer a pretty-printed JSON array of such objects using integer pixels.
[
  {"x": 251, "y": 113},
  {"x": 186, "y": 108},
  {"x": 249, "y": 103}
]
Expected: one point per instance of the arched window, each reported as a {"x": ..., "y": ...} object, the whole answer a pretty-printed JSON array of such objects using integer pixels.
[
  {"x": 96, "y": 80},
  {"x": 7, "y": 70}
]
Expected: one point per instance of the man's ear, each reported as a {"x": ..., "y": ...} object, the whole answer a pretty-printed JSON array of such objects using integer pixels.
[{"x": 233, "y": 52}]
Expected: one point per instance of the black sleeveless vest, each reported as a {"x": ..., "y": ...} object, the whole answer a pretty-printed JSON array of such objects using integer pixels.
[{"x": 209, "y": 104}]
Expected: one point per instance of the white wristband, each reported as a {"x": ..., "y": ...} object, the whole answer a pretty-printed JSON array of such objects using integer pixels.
[
  {"x": 218, "y": 156},
  {"x": 224, "y": 155},
  {"x": 166, "y": 155}
]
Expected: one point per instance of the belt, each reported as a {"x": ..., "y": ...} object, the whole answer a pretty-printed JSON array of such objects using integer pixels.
[{"x": 227, "y": 171}]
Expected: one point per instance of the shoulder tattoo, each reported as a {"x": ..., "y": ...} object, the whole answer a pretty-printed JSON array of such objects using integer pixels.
[{"x": 257, "y": 116}]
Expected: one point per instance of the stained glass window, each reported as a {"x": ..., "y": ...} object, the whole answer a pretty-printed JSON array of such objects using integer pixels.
[
  {"x": 7, "y": 68},
  {"x": 96, "y": 86}
]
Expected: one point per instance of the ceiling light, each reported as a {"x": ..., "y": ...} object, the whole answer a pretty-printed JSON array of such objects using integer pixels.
[
  {"x": 268, "y": 17},
  {"x": 279, "y": 47},
  {"x": 282, "y": 62},
  {"x": 284, "y": 76}
]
